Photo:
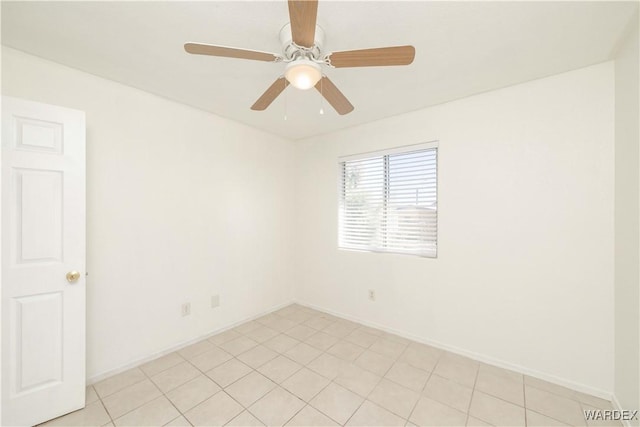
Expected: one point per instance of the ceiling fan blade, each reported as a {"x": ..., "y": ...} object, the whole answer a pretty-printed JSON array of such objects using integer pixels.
[
  {"x": 270, "y": 94},
  {"x": 302, "y": 14},
  {"x": 376, "y": 57},
  {"x": 230, "y": 52},
  {"x": 333, "y": 95}
]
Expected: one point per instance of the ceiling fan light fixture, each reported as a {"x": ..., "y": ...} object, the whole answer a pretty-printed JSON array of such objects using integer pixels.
[
  {"x": 302, "y": 40},
  {"x": 303, "y": 74}
]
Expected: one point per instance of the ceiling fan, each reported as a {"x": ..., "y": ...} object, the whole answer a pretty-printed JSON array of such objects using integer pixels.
[{"x": 302, "y": 52}]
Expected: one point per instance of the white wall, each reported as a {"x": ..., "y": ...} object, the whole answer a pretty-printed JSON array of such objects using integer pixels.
[
  {"x": 627, "y": 221},
  {"x": 524, "y": 274},
  {"x": 181, "y": 205}
]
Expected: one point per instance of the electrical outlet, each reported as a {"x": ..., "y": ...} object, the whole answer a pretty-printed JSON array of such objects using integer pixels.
[
  {"x": 372, "y": 295},
  {"x": 186, "y": 309},
  {"x": 215, "y": 301}
]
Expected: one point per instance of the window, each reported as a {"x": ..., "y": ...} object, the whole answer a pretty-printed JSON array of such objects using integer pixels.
[{"x": 388, "y": 201}]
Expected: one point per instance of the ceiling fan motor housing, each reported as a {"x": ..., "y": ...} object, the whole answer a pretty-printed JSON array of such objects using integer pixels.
[
  {"x": 302, "y": 44},
  {"x": 292, "y": 51}
]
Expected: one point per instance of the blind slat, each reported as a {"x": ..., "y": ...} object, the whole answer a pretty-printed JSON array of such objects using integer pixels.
[{"x": 389, "y": 203}]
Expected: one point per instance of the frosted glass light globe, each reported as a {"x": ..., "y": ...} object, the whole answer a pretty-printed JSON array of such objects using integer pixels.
[{"x": 303, "y": 74}]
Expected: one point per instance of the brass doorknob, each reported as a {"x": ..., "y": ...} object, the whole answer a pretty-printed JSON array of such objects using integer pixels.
[{"x": 72, "y": 276}]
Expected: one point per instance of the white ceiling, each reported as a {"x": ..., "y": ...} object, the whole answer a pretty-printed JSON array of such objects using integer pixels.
[{"x": 462, "y": 48}]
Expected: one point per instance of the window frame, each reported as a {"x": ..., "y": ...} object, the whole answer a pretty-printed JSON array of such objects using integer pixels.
[{"x": 384, "y": 153}]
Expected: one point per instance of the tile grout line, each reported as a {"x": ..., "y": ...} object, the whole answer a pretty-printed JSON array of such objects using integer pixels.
[
  {"x": 283, "y": 332},
  {"x": 526, "y": 408},
  {"x": 315, "y": 395},
  {"x": 297, "y": 412},
  {"x": 322, "y": 352},
  {"x": 383, "y": 376},
  {"x": 222, "y": 389},
  {"x": 500, "y": 398},
  {"x": 147, "y": 377},
  {"x": 336, "y": 319},
  {"x": 341, "y": 338},
  {"x": 365, "y": 398},
  {"x": 325, "y": 352},
  {"x": 332, "y": 355},
  {"x": 387, "y": 330},
  {"x": 103, "y": 405},
  {"x": 330, "y": 381},
  {"x": 176, "y": 408},
  {"x": 236, "y": 358},
  {"x": 277, "y": 384},
  {"x": 473, "y": 390},
  {"x": 163, "y": 393},
  {"x": 431, "y": 373}
]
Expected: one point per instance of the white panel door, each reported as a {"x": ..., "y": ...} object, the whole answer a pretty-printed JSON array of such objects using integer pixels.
[{"x": 43, "y": 240}]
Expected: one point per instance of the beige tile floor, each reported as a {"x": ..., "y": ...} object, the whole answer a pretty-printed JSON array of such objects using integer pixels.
[{"x": 301, "y": 367}]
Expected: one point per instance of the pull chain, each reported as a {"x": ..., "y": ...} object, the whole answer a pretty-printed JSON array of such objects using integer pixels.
[
  {"x": 286, "y": 95},
  {"x": 321, "y": 97}
]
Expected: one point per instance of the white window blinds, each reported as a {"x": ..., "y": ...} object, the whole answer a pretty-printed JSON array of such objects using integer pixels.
[{"x": 388, "y": 203}]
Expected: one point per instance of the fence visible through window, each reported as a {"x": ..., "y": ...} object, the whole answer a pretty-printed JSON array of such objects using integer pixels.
[{"x": 388, "y": 202}]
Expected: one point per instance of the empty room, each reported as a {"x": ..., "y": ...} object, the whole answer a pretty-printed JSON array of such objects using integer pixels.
[{"x": 320, "y": 213}]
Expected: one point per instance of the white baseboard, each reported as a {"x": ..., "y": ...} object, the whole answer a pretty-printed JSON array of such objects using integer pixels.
[
  {"x": 443, "y": 346},
  {"x": 106, "y": 374},
  {"x": 617, "y": 406},
  {"x": 603, "y": 394}
]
